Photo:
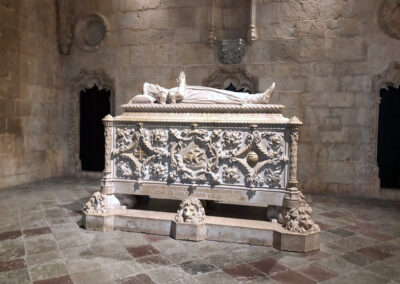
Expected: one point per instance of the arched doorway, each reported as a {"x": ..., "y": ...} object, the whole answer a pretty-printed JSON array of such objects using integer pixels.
[
  {"x": 87, "y": 81},
  {"x": 389, "y": 138},
  {"x": 94, "y": 105}
]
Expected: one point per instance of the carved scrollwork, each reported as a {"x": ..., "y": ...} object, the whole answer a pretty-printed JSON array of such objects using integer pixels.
[
  {"x": 124, "y": 169},
  {"x": 125, "y": 141},
  {"x": 158, "y": 171},
  {"x": 258, "y": 156},
  {"x": 232, "y": 139},
  {"x": 159, "y": 137},
  {"x": 194, "y": 156},
  {"x": 201, "y": 156},
  {"x": 231, "y": 175},
  {"x": 134, "y": 151}
]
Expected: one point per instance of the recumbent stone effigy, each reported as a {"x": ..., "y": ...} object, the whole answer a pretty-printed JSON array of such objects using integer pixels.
[{"x": 194, "y": 143}]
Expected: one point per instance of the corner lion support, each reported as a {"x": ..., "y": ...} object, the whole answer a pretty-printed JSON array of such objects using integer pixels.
[{"x": 244, "y": 154}]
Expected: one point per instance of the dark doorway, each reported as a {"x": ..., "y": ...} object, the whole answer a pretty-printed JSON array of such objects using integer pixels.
[
  {"x": 389, "y": 138},
  {"x": 94, "y": 106}
]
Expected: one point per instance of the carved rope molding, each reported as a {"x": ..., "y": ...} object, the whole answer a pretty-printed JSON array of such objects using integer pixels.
[
  {"x": 206, "y": 108},
  {"x": 86, "y": 79},
  {"x": 385, "y": 18},
  {"x": 390, "y": 77}
]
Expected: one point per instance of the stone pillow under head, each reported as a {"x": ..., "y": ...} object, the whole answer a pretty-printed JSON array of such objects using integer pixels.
[{"x": 142, "y": 99}]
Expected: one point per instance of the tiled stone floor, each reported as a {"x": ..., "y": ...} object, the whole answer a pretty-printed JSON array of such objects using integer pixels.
[{"x": 41, "y": 242}]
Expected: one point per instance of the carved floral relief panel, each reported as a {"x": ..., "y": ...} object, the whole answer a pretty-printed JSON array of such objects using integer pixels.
[{"x": 196, "y": 156}]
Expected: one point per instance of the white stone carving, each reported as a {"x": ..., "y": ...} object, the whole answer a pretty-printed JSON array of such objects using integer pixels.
[
  {"x": 189, "y": 160},
  {"x": 388, "y": 17},
  {"x": 195, "y": 156},
  {"x": 158, "y": 171},
  {"x": 298, "y": 219},
  {"x": 186, "y": 94},
  {"x": 231, "y": 175},
  {"x": 190, "y": 211},
  {"x": 159, "y": 137},
  {"x": 100, "y": 204},
  {"x": 232, "y": 139}
]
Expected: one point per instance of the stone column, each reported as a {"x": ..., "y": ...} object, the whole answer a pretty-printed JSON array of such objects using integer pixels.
[
  {"x": 108, "y": 134},
  {"x": 292, "y": 199}
]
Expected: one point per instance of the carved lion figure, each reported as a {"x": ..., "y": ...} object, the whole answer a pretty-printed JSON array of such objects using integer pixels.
[
  {"x": 190, "y": 211},
  {"x": 298, "y": 219}
]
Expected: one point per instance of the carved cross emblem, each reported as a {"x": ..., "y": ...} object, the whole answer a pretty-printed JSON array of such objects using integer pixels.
[{"x": 139, "y": 154}]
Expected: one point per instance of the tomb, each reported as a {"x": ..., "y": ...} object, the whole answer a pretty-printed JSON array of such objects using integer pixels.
[{"x": 233, "y": 153}]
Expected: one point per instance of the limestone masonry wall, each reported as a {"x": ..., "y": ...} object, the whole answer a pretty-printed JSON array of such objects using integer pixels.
[
  {"x": 31, "y": 86},
  {"x": 323, "y": 55}
]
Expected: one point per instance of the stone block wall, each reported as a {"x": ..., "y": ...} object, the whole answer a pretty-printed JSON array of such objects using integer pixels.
[
  {"x": 31, "y": 92},
  {"x": 323, "y": 55}
]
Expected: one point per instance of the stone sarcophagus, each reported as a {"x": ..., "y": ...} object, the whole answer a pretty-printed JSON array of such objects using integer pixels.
[
  {"x": 242, "y": 152},
  {"x": 230, "y": 154}
]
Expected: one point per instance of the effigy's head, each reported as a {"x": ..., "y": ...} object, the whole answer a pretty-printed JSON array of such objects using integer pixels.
[{"x": 190, "y": 211}]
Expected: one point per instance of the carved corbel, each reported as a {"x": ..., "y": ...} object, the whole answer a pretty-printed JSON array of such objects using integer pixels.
[{"x": 64, "y": 26}]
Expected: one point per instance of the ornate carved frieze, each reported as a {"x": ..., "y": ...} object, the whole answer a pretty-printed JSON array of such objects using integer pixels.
[
  {"x": 298, "y": 219},
  {"x": 201, "y": 156},
  {"x": 190, "y": 211}
]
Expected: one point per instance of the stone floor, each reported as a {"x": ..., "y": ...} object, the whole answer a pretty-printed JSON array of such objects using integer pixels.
[{"x": 41, "y": 241}]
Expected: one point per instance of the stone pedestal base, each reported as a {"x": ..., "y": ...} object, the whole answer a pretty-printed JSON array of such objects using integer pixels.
[
  {"x": 213, "y": 228},
  {"x": 190, "y": 232}
]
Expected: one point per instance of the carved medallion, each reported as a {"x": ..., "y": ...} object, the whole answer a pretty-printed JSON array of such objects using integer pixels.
[
  {"x": 91, "y": 31},
  {"x": 389, "y": 18}
]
